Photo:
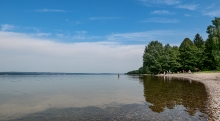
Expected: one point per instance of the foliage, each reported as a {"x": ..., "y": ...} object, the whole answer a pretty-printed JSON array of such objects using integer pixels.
[
  {"x": 212, "y": 45},
  {"x": 152, "y": 57},
  {"x": 171, "y": 58},
  {"x": 158, "y": 58},
  {"x": 190, "y": 55},
  {"x": 200, "y": 44},
  {"x": 133, "y": 72}
]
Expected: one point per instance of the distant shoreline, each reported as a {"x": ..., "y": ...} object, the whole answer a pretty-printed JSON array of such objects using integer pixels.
[
  {"x": 54, "y": 73},
  {"x": 212, "y": 84}
]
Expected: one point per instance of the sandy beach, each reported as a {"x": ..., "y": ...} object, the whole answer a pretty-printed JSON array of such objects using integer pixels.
[{"x": 212, "y": 84}]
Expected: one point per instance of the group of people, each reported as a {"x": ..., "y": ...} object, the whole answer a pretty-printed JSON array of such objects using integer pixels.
[
  {"x": 183, "y": 71},
  {"x": 167, "y": 72},
  {"x": 189, "y": 72}
]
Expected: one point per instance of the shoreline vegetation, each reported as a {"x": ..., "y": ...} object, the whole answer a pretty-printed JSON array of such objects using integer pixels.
[
  {"x": 193, "y": 56},
  {"x": 197, "y": 60}
]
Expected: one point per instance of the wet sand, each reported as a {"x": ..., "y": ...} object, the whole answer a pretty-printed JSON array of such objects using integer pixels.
[{"x": 212, "y": 84}]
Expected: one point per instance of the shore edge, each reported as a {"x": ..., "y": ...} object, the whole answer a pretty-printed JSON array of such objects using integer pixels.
[{"x": 212, "y": 84}]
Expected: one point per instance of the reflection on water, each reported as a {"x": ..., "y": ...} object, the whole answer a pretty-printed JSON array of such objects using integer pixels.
[
  {"x": 165, "y": 93},
  {"x": 100, "y": 97}
]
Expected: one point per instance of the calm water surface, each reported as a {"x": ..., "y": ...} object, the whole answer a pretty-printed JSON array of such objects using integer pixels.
[{"x": 100, "y": 97}]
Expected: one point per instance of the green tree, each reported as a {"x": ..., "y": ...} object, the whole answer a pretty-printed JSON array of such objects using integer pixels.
[
  {"x": 133, "y": 72},
  {"x": 212, "y": 45},
  {"x": 170, "y": 58},
  {"x": 175, "y": 59},
  {"x": 140, "y": 70},
  {"x": 152, "y": 57},
  {"x": 209, "y": 62},
  {"x": 188, "y": 52},
  {"x": 166, "y": 58},
  {"x": 200, "y": 44}
]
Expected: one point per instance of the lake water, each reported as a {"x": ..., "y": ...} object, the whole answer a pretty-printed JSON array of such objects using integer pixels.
[{"x": 100, "y": 97}]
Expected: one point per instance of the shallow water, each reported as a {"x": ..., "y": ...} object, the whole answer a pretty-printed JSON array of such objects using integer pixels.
[{"x": 100, "y": 97}]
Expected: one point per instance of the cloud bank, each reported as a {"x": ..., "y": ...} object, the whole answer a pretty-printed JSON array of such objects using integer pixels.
[
  {"x": 6, "y": 27},
  {"x": 21, "y": 52}
]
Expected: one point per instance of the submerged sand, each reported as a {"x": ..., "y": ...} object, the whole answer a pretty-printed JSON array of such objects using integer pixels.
[{"x": 212, "y": 84}]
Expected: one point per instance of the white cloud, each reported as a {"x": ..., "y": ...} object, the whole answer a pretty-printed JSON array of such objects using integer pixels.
[
  {"x": 210, "y": 6},
  {"x": 36, "y": 29},
  {"x": 173, "y": 37},
  {"x": 59, "y": 35},
  {"x": 77, "y": 36},
  {"x": 162, "y": 12},
  {"x": 167, "y": 2},
  {"x": 160, "y": 20},
  {"x": 187, "y": 15},
  {"x": 81, "y": 32},
  {"x": 214, "y": 13},
  {"x": 6, "y": 27},
  {"x": 103, "y": 18},
  {"x": 146, "y": 36},
  {"x": 171, "y": 2},
  {"x": 80, "y": 35},
  {"x": 42, "y": 34},
  {"x": 50, "y": 10},
  {"x": 189, "y": 7},
  {"x": 78, "y": 22},
  {"x": 20, "y": 52}
]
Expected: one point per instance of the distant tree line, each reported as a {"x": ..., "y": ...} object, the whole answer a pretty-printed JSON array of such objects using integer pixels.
[{"x": 190, "y": 55}]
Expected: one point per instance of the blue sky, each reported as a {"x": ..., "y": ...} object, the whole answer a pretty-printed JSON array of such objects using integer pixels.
[{"x": 94, "y": 36}]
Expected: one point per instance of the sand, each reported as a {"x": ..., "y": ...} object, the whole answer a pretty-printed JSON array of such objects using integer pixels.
[{"x": 212, "y": 84}]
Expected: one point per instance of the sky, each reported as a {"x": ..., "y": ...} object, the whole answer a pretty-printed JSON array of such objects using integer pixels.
[{"x": 94, "y": 36}]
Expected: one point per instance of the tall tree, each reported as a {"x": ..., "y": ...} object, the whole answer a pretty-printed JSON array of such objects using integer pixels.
[
  {"x": 166, "y": 57},
  {"x": 188, "y": 51},
  {"x": 175, "y": 59},
  {"x": 152, "y": 57},
  {"x": 212, "y": 50},
  {"x": 200, "y": 44},
  {"x": 170, "y": 58}
]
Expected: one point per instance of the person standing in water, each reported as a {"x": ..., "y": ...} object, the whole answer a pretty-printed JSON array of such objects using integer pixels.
[{"x": 118, "y": 75}]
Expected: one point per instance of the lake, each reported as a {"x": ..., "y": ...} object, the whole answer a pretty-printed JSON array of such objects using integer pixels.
[{"x": 100, "y": 97}]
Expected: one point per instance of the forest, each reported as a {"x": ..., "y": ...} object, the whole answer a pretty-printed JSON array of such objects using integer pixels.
[{"x": 196, "y": 55}]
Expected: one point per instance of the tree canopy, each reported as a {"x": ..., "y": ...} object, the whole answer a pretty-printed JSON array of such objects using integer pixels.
[
  {"x": 190, "y": 55},
  {"x": 212, "y": 45},
  {"x": 152, "y": 57}
]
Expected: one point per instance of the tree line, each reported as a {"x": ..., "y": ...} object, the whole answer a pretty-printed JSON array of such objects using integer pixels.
[{"x": 190, "y": 55}]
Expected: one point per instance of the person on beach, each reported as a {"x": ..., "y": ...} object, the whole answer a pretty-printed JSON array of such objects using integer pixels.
[
  {"x": 118, "y": 75},
  {"x": 189, "y": 72}
]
